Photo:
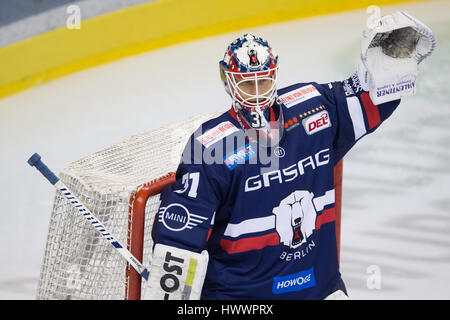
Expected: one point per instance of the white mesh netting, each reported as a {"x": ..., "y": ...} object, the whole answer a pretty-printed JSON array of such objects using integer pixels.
[{"x": 78, "y": 263}]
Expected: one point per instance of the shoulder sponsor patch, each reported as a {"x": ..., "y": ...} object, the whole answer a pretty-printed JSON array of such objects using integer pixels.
[
  {"x": 217, "y": 133},
  {"x": 294, "y": 282},
  {"x": 299, "y": 95},
  {"x": 316, "y": 122}
]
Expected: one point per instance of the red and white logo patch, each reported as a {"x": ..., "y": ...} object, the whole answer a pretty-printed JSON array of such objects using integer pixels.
[
  {"x": 217, "y": 133},
  {"x": 316, "y": 122},
  {"x": 299, "y": 95}
]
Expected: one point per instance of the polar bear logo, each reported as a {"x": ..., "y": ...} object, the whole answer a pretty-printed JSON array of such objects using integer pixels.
[{"x": 295, "y": 218}]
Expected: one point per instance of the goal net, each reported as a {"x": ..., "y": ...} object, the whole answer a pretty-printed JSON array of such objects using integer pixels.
[{"x": 78, "y": 263}]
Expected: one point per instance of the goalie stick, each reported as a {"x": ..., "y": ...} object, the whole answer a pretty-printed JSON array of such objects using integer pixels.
[{"x": 35, "y": 161}]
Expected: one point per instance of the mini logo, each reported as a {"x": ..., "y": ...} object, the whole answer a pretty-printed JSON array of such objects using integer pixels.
[
  {"x": 242, "y": 154},
  {"x": 294, "y": 282},
  {"x": 279, "y": 152},
  {"x": 177, "y": 217},
  {"x": 317, "y": 122}
]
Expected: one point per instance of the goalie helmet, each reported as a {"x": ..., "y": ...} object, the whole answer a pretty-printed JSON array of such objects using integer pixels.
[{"x": 249, "y": 72}]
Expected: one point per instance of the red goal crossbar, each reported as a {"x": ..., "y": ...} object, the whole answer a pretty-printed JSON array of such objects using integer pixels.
[{"x": 136, "y": 223}]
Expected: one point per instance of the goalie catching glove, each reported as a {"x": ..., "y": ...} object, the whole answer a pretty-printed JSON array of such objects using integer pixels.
[
  {"x": 176, "y": 274},
  {"x": 391, "y": 50}
]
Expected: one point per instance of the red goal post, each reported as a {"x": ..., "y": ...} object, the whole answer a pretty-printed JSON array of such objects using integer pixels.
[{"x": 136, "y": 229}]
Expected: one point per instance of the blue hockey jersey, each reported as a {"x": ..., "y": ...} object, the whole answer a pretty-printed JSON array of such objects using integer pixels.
[{"x": 267, "y": 218}]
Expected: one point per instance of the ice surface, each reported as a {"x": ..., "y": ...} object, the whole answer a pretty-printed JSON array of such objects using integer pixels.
[{"x": 396, "y": 197}]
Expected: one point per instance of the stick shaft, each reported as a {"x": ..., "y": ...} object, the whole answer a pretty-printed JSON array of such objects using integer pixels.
[
  {"x": 89, "y": 216},
  {"x": 35, "y": 160}
]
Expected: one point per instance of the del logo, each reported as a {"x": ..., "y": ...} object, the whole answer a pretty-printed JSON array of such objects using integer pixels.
[
  {"x": 317, "y": 122},
  {"x": 177, "y": 217},
  {"x": 239, "y": 156},
  {"x": 294, "y": 282}
]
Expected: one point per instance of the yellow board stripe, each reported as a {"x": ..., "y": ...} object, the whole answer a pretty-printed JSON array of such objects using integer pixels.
[
  {"x": 191, "y": 272},
  {"x": 146, "y": 27}
]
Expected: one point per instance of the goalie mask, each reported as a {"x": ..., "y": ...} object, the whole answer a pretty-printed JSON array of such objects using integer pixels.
[{"x": 249, "y": 72}]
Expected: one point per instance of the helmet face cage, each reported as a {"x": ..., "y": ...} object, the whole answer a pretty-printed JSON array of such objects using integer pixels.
[{"x": 263, "y": 87}]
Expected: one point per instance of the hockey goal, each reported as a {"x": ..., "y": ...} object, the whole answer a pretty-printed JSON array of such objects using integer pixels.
[{"x": 114, "y": 184}]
